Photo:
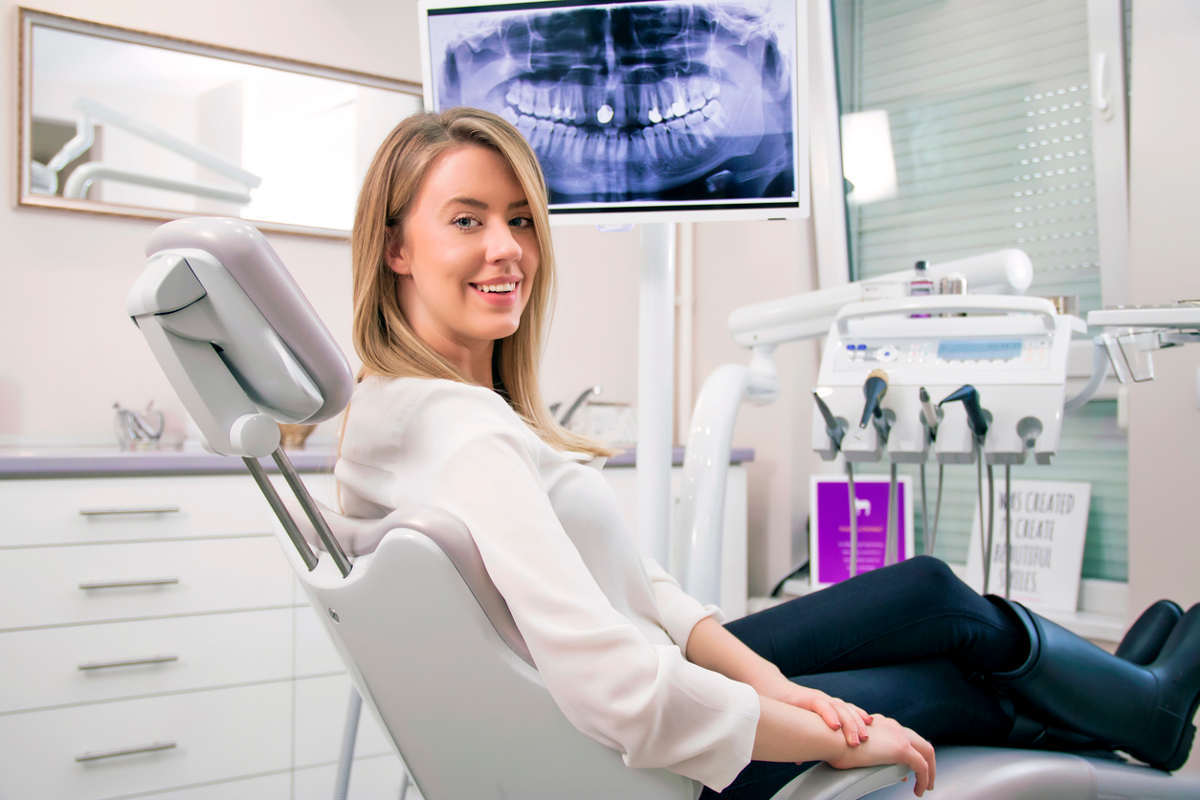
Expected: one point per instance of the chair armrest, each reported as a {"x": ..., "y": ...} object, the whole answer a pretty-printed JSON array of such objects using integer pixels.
[{"x": 823, "y": 782}]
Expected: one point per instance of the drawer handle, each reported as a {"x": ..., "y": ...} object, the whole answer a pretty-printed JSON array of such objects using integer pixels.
[
  {"x": 111, "y": 512},
  {"x": 128, "y": 584},
  {"x": 130, "y": 662},
  {"x": 127, "y": 751}
]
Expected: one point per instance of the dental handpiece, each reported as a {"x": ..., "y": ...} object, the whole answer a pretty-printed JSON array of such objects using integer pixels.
[
  {"x": 928, "y": 413},
  {"x": 874, "y": 388},
  {"x": 836, "y": 430},
  {"x": 833, "y": 427},
  {"x": 970, "y": 400}
]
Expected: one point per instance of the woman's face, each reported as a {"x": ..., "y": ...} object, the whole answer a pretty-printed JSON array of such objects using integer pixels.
[{"x": 466, "y": 256}]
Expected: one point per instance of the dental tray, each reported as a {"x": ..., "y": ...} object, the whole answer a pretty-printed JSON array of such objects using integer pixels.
[{"x": 1184, "y": 314}]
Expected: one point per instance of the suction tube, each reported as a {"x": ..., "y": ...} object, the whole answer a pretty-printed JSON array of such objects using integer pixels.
[{"x": 836, "y": 429}]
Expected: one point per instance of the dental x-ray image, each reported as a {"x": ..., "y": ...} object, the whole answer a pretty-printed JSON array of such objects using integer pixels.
[{"x": 669, "y": 104}]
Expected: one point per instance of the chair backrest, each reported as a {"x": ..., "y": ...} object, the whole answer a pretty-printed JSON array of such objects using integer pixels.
[{"x": 424, "y": 633}]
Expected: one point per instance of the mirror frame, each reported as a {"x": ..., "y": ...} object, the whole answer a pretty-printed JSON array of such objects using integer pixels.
[{"x": 30, "y": 17}]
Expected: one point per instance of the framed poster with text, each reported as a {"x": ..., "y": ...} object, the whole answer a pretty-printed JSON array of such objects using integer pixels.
[
  {"x": 829, "y": 533},
  {"x": 1049, "y": 525}
]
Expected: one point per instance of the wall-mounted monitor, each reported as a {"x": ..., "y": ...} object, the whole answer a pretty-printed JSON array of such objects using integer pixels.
[{"x": 642, "y": 110}]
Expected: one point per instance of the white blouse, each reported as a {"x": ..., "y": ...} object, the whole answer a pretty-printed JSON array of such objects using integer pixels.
[{"x": 606, "y": 627}]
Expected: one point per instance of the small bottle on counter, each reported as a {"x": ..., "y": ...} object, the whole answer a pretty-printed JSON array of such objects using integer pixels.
[{"x": 921, "y": 285}]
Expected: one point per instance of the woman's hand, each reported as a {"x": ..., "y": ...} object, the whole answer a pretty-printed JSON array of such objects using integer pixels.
[
  {"x": 892, "y": 743},
  {"x": 851, "y": 720}
]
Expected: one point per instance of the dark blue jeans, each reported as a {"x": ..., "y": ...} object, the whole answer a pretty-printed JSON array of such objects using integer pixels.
[{"x": 909, "y": 641}]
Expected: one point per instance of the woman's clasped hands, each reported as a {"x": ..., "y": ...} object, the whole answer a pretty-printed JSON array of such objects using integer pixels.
[
  {"x": 871, "y": 739},
  {"x": 892, "y": 743}
]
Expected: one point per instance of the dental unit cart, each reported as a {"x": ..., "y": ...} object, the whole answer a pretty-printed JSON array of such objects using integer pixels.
[{"x": 886, "y": 362}]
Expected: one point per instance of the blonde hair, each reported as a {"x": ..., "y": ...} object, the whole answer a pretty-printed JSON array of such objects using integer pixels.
[{"x": 383, "y": 338}]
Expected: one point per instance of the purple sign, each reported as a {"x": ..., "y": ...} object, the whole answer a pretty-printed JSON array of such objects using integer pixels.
[{"x": 829, "y": 543}]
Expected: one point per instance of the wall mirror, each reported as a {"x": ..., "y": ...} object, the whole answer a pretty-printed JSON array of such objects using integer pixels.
[{"x": 121, "y": 122}]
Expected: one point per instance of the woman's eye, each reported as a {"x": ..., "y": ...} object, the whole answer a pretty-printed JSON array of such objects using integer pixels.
[
  {"x": 465, "y": 223},
  {"x": 521, "y": 222}
]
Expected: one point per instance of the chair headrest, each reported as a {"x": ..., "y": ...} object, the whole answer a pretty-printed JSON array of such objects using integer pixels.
[{"x": 252, "y": 263}]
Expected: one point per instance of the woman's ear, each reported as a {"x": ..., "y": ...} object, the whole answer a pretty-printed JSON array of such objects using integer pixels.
[{"x": 396, "y": 255}]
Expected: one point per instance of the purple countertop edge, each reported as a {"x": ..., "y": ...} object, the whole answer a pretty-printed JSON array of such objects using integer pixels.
[{"x": 82, "y": 462}]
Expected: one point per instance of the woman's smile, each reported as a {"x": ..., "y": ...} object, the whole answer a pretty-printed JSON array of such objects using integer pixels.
[{"x": 500, "y": 292}]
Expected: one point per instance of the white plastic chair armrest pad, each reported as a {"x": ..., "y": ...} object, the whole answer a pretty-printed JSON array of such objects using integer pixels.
[{"x": 824, "y": 782}]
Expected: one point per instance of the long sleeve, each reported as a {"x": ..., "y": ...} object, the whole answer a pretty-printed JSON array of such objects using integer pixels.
[
  {"x": 680, "y": 611},
  {"x": 644, "y": 700}
]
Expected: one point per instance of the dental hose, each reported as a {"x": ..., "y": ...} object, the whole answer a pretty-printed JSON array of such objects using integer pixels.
[
  {"x": 983, "y": 544},
  {"x": 930, "y": 418},
  {"x": 991, "y": 509},
  {"x": 1007, "y": 531},
  {"x": 925, "y": 514},
  {"x": 891, "y": 553},
  {"x": 853, "y": 521},
  {"x": 928, "y": 531}
]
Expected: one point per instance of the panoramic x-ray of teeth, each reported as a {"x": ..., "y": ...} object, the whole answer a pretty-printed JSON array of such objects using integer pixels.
[{"x": 661, "y": 101}]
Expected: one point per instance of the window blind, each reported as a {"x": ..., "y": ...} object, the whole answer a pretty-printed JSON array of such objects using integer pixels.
[{"x": 990, "y": 119}]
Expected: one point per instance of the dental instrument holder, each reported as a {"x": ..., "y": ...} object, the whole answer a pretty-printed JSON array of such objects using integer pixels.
[
  {"x": 978, "y": 421},
  {"x": 1013, "y": 349},
  {"x": 835, "y": 428}
]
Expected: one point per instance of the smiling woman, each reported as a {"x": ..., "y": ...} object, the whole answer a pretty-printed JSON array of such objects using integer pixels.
[{"x": 466, "y": 255}]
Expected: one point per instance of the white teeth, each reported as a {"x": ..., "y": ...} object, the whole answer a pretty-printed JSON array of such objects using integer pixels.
[
  {"x": 541, "y": 103},
  {"x": 496, "y": 287}
]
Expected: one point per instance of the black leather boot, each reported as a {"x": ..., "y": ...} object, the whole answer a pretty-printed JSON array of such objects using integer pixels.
[
  {"x": 1145, "y": 638},
  {"x": 1146, "y": 711},
  {"x": 1140, "y": 645}
]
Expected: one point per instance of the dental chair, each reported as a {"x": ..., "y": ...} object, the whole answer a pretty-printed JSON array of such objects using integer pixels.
[{"x": 426, "y": 638}]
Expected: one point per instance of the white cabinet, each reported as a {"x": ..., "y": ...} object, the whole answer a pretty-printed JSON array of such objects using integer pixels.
[{"x": 153, "y": 641}]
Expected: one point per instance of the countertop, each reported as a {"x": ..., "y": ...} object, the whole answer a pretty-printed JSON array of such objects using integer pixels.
[{"x": 44, "y": 462}]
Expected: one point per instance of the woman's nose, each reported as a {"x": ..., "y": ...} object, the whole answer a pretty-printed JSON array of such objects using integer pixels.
[{"x": 502, "y": 245}]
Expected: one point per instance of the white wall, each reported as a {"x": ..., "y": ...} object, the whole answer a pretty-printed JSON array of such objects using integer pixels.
[{"x": 1164, "y": 416}]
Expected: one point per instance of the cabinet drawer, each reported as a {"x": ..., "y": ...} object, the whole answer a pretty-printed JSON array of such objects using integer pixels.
[
  {"x": 90, "y": 663},
  {"x": 320, "y": 721},
  {"x": 217, "y": 735},
  {"x": 106, "y": 509},
  {"x": 85, "y": 510},
  {"x": 267, "y": 787},
  {"x": 182, "y": 577},
  {"x": 370, "y": 779}
]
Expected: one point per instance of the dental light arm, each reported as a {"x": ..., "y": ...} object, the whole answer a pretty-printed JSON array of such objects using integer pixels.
[
  {"x": 89, "y": 112},
  {"x": 808, "y": 315}
]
